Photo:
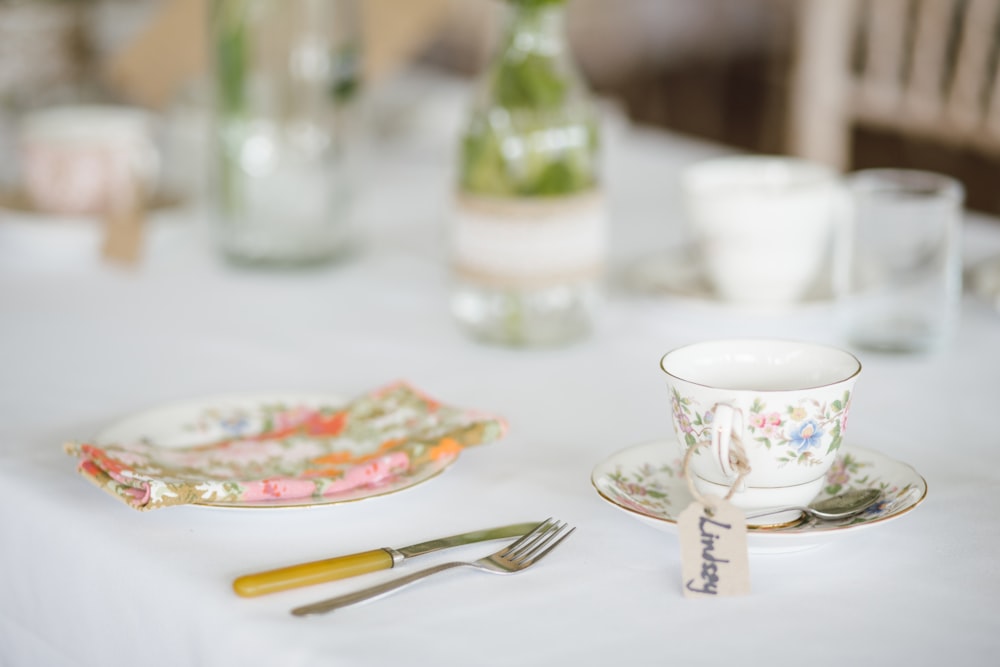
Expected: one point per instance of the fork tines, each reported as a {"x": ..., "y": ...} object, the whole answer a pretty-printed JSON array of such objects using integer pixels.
[{"x": 543, "y": 539}]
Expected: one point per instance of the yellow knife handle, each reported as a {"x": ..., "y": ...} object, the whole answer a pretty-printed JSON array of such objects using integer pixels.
[{"x": 316, "y": 572}]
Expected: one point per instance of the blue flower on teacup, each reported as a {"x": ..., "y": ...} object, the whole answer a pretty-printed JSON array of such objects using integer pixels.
[{"x": 805, "y": 435}]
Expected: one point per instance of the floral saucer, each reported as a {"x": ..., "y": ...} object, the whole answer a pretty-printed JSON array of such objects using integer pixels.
[
  {"x": 279, "y": 450},
  {"x": 644, "y": 480}
]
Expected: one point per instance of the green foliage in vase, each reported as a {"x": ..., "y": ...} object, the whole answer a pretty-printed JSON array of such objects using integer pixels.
[
  {"x": 232, "y": 44},
  {"x": 346, "y": 81},
  {"x": 231, "y": 49},
  {"x": 535, "y": 137},
  {"x": 535, "y": 4}
]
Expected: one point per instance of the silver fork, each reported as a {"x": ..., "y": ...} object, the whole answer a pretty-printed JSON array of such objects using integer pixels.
[{"x": 517, "y": 556}]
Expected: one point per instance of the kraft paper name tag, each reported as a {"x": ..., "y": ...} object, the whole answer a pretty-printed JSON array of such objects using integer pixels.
[
  {"x": 714, "y": 560},
  {"x": 123, "y": 226}
]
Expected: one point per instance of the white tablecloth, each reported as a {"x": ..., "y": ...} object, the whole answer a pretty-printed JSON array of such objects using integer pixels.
[{"x": 85, "y": 580}]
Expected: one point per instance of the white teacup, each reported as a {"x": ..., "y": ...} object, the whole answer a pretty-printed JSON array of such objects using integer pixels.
[
  {"x": 82, "y": 160},
  {"x": 779, "y": 407},
  {"x": 763, "y": 225}
]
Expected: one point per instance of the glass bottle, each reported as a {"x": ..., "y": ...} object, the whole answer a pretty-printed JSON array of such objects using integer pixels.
[
  {"x": 528, "y": 239},
  {"x": 285, "y": 77}
]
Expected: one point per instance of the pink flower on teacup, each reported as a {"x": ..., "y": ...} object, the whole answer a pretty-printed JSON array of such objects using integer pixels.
[
  {"x": 772, "y": 424},
  {"x": 684, "y": 422},
  {"x": 768, "y": 423}
]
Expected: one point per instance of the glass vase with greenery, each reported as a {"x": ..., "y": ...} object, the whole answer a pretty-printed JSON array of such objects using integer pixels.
[
  {"x": 529, "y": 230},
  {"x": 285, "y": 73}
]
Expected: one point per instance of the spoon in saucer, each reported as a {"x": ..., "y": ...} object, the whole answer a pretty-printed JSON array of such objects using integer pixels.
[{"x": 841, "y": 506}]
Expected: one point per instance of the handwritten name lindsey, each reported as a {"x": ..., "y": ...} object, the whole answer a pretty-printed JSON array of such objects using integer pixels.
[{"x": 709, "y": 563}]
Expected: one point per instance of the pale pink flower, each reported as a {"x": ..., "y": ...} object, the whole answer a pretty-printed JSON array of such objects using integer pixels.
[{"x": 772, "y": 424}]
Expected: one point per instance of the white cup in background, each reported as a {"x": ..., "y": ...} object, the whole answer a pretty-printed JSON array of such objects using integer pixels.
[
  {"x": 763, "y": 225},
  {"x": 84, "y": 160}
]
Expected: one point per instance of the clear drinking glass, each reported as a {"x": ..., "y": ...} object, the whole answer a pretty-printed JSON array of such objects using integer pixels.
[
  {"x": 899, "y": 264},
  {"x": 286, "y": 73}
]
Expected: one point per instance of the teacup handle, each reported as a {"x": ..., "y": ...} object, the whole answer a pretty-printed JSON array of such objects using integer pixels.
[{"x": 722, "y": 435}]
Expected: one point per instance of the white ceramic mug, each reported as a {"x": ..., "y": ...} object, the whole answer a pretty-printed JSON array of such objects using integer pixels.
[
  {"x": 83, "y": 160},
  {"x": 763, "y": 225},
  {"x": 778, "y": 406}
]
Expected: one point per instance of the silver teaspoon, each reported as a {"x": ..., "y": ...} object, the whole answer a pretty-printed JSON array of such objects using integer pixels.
[{"x": 841, "y": 506}]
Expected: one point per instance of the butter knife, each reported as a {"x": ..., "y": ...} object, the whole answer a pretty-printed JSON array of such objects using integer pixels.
[{"x": 342, "y": 567}]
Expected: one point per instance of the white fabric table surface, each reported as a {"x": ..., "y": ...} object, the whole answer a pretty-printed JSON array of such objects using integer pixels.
[{"x": 85, "y": 580}]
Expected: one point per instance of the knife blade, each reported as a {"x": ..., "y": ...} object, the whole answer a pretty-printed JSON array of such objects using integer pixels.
[{"x": 342, "y": 567}]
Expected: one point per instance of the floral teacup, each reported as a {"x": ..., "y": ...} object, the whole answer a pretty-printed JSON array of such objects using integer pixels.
[
  {"x": 87, "y": 160},
  {"x": 775, "y": 410}
]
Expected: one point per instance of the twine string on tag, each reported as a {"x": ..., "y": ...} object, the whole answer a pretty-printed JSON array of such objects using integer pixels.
[{"x": 742, "y": 468}]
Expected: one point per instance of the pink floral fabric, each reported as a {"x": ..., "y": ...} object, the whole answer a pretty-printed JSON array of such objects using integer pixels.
[{"x": 291, "y": 452}]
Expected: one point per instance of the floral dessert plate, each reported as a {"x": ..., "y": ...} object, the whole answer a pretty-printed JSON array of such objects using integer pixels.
[
  {"x": 198, "y": 423},
  {"x": 280, "y": 450},
  {"x": 644, "y": 481}
]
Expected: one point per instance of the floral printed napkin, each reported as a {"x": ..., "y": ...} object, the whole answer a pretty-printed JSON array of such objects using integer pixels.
[{"x": 295, "y": 452}]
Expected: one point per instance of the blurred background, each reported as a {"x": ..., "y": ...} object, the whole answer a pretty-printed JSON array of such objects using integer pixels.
[{"x": 744, "y": 73}]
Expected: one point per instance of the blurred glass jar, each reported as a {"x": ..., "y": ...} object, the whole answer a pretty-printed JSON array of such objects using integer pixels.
[
  {"x": 285, "y": 127},
  {"x": 529, "y": 231},
  {"x": 39, "y": 66}
]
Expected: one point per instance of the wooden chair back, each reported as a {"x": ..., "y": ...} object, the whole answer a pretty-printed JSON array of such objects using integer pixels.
[{"x": 924, "y": 68}]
